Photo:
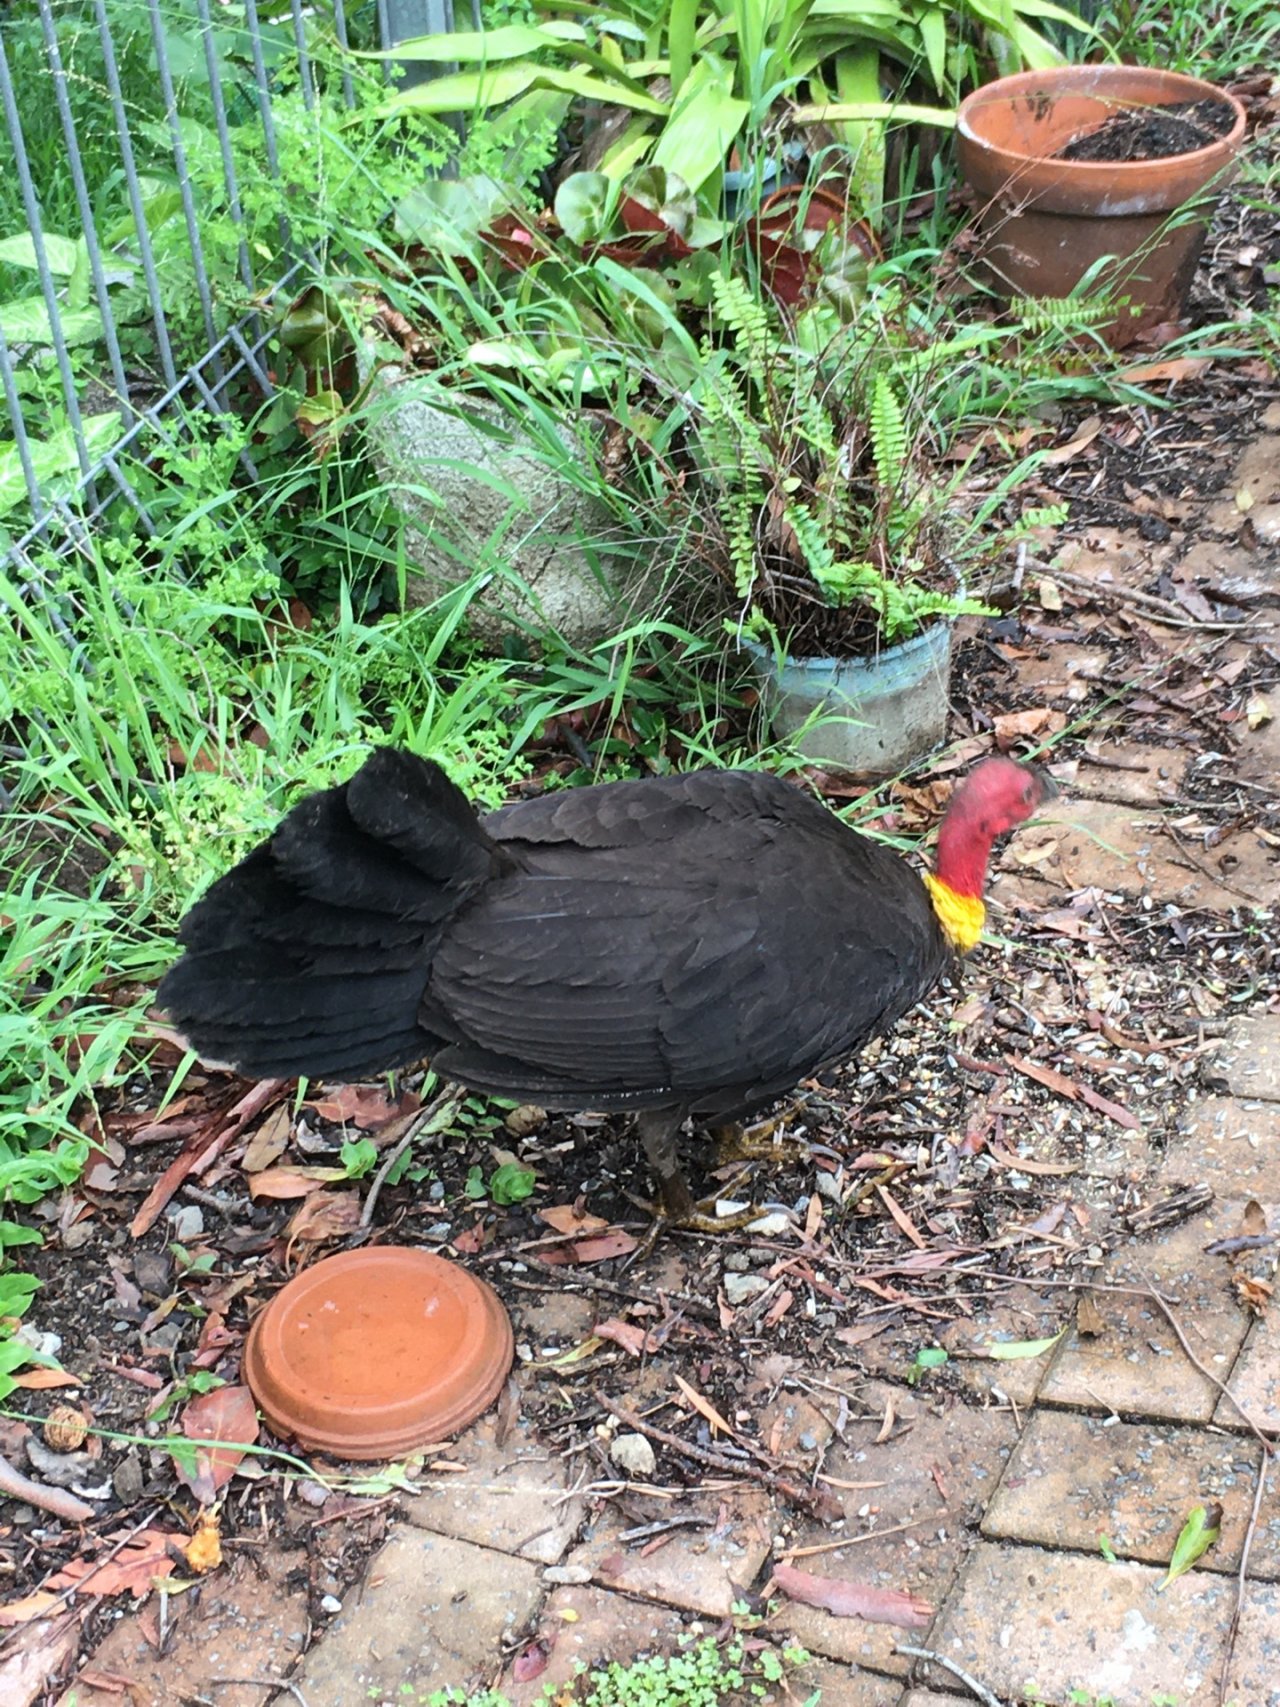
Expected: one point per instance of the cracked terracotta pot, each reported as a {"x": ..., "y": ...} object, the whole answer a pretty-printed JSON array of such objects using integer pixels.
[
  {"x": 1046, "y": 222},
  {"x": 378, "y": 1352}
]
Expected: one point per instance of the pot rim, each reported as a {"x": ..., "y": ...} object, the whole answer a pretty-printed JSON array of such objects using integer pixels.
[{"x": 1067, "y": 79}]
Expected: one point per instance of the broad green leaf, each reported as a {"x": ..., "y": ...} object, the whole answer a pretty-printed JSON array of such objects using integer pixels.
[
  {"x": 473, "y": 91},
  {"x": 483, "y": 47},
  {"x": 902, "y": 112},
  {"x": 1195, "y": 1538},
  {"x": 51, "y": 458},
  {"x": 1009, "y": 1351},
  {"x": 585, "y": 204},
  {"x": 933, "y": 33},
  {"x": 62, "y": 252},
  {"x": 696, "y": 139},
  {"x": 26, "y": 321},
  {"x": 858, "y": 84}
]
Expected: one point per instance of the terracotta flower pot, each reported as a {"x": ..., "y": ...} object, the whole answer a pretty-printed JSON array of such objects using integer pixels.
[{"x": 1047, "y": 221}]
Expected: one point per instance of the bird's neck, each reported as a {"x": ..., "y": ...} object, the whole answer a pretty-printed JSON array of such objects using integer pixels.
[{"x": 960, "y": 872}]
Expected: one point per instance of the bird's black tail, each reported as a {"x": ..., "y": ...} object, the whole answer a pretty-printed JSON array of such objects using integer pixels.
[{"x": 312, "y": 955}]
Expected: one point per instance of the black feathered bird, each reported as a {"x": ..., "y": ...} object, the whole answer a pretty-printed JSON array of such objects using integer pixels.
[{"x": 683, "y": 945}]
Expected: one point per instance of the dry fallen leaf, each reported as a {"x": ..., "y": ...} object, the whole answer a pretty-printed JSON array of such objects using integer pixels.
[
  {"x": 364, "y": 1106},
  {"x": 292, "y": 1182},
  {"x": 36, "y": 1656},
  {"x": 133, "y": 1570},
  {"x": 226, "y": 1413},
  {"x": 323, "y": 1215},
  {"x": 853, "y": 1600},
  {"x": 568, "y": 1219},
  {"x": 268, "y": 1143},
  {"x": 704, "y": 1407},
  {"x": 1089, "y": 1319},
  {"x": 1258, "y": 711}
]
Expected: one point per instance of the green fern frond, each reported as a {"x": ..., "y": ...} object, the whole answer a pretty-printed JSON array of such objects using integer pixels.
[{"x": 888, "y": 429}]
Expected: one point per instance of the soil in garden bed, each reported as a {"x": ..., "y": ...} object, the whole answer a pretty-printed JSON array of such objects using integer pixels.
[{"x": 1153, "y": 133}]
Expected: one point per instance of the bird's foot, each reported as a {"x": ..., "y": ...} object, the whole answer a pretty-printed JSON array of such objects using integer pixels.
[
  {"x": 760, "y": 1142},
  {"x": 677, "y": 1207}
]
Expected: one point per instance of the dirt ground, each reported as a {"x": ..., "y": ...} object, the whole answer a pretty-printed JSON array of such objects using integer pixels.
[{"x": 1036, "y": 1152}]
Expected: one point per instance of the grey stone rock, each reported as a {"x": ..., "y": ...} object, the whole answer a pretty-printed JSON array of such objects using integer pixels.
[{"x": 478, "y": 495}]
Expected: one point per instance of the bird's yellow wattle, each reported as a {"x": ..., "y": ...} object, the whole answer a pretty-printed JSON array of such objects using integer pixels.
[{"x": 961, "y": 916}]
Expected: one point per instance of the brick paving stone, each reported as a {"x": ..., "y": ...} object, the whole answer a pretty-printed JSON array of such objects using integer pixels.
[
  {"x": 702, "y": 1570},
  {"x": 952, "y": 1444},
  {"x": 591, "y": 1627},
  {"x": 1023, "y": 1616},
  {"x": 432, "y": 1613},
  {"x": 1136, "y": 1366},
  {"x": 1253, "y": 1679},
  {"x": 1021, "y": 1315},
  {"x": 846, "y": 1686},
  {"x": 1249, "y": 1062},
  {"x": 247, "y": 1624},
  {"x": 1255, "y": 1380},
  {"x": 1074, "y": 1478},
  {"x": 509, "y": 1497},
  {"x": 1231, "y": 1143}
]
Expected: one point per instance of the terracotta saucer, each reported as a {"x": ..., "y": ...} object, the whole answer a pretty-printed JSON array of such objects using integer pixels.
[{"x": 377, "y": 1352}]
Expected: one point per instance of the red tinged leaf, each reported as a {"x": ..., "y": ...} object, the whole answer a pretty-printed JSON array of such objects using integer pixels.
[
  {"x": 531, "y": 1662},
  {"x": 364, "y": 1106},
  {"x": 133, "y": 1570},
  {"x": 292, "y": 1182},
  {"x": 633, "y": 1340},
  {"x": 853, "y": 1600},
  {"x": 226, "y": 1413}
]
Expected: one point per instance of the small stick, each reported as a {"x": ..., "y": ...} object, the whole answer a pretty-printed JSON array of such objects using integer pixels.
[
  {"x": 1242, "y": 1581},
  {"x": 1268, "y": 1445},
  {"x": 816, "y": 1503},
  {"x": 1172, "y": 616},
  {"x": 791, "y": 1553},
  {"x": 411, "y": 1132},
  {"x": 354, "y": 1514},
  {"x": 983, "y": 1694},
  {"x": 63, "y": 1505}
]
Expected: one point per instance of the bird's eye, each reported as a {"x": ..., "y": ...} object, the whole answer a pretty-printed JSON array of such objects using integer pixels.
[{"x": 1028, "y": 792}]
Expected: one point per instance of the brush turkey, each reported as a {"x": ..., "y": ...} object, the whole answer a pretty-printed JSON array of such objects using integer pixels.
[{"x": 689, "y": 945}]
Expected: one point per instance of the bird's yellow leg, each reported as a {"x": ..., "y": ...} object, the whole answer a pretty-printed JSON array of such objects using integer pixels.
[{"x": 760, "y": 1142}]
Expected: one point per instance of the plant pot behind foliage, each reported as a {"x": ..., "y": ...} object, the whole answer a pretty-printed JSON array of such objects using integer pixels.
[
  {"x": 877, "y": 713},
  {"x": 1047, "y": 222}
]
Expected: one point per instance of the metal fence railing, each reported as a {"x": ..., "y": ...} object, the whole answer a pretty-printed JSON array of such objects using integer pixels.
[{"x": 103, "y": 102}]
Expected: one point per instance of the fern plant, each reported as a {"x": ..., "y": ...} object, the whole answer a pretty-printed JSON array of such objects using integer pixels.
[{"x": 824, "y": 518}]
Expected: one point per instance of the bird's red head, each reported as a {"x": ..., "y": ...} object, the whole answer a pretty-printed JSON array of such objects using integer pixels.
[{"x": 996, "y": 796}]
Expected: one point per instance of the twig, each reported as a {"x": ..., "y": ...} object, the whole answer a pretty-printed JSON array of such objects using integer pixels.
[
  {"x": 970, "y": 1682},
  {"x": 1242, "y": 1581},
  {"x": 63, "y": 1505},
  {"x": 1170, "y": 615},
  {"x": 354, "y": 1513},
  {"x": 1268, "y": 1445},
  {"x": 814, "y": 1501},
  {"x": 791, "y": 1553},
  {"x": 393, "y": 1156}
]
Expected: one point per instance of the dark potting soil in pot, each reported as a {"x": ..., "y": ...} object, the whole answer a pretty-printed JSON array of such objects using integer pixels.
[{"x": 1153, "y": 133}]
